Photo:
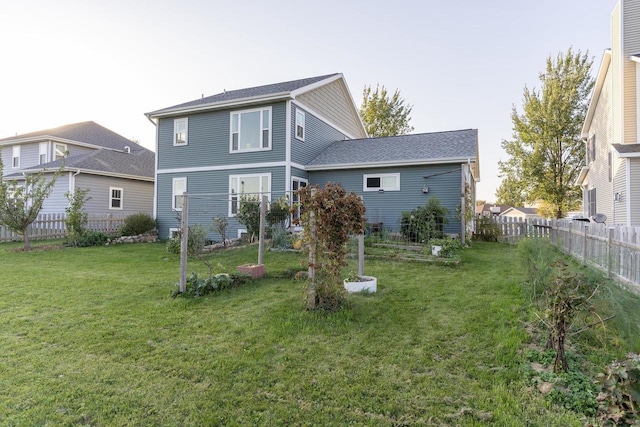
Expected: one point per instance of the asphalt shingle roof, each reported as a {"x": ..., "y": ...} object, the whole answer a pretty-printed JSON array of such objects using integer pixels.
[
  {"x": 252, "y": 92},
  {"x": 86, "y": 132},
  {"x": 627, "y": 148},
  {"x": 140, "y": 163},
  {"x": 404, "y": 149}
]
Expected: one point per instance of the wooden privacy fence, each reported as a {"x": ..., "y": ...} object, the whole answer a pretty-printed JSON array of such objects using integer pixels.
[
  {"x": 614, "y": 249},
  {"x": 51, "y": 226}
]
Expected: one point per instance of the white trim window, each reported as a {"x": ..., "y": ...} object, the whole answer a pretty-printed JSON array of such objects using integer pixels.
[
  {"x": 59, "y": 151},
  {"x": 381, "y": 182},
  {"x": 42, "y": 154},
  {"x": 300, "y": 127},
  {"x": 178, "y": 186},
  {"x": 15, "y": 159},
  {"x": 115, "y": 198},
  {"x": 249, "y": 186},
  {"x": 181, "y": 131},
  {"x": 250, "y": 130},
  {"x": 297, "y": 184}
]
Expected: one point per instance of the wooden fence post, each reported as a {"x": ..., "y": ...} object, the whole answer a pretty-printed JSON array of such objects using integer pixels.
[
  {"x": 262, "y": 235},
  {"x": 610, "y": 251},
  {"x": 311, "y": 293},
  {"x": 584, "y": 245},
  {"x": 184, "y": 242}
]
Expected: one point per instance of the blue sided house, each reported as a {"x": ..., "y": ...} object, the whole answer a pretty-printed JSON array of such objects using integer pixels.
[{"x": 276, "y": 138}]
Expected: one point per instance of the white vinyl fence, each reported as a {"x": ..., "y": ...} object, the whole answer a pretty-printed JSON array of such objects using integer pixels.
[
  {"x": 51, "y": 226},
  {"x": 614, "y": 249}
]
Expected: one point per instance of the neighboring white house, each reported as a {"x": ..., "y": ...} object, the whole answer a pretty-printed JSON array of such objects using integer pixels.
[
  {"x": 526, "y": 213},
  {"x": 118, "y": 173},
  {"x": 610, "y": 180}
]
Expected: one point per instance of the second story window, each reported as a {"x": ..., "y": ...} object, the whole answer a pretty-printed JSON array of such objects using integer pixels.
[
  {"x": 15, "y": 162},
  {"x": 42, "y": 155},
  {"x": 300, "y": 125},
  {"x": 60, "y": 151},
  {"x": 180, "y": 131},
  {"x": 591, "y": 149},
  {"x": 251, "y": 130}
]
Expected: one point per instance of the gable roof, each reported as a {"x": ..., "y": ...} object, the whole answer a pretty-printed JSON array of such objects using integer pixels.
[
  {"x": 487, "y": 208},
  {"x": 525, "y": 211},
  {"x": 84, "y": 133},
  {"x": 423, "y": 148},
  {"x": 274, "y": 91},
  {"x": 139, "y": 164},
  {"x": 595, "y": 94}
]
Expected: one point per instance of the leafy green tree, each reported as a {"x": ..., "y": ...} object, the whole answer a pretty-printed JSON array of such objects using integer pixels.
[
  {"x": 384, "y": 115},
  {"x": 546, "y": 151},
  {"x": 76, "y": 219},
  {"x": 21, "y": 201},
  {"x": 510, "y": 192}
]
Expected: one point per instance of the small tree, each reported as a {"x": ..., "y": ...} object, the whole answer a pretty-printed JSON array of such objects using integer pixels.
[
  {"x": 330, "y": 217},
  {"x": 249, "y": 215},
  {"x": 21, "y": 201},
  {"x": 76, "y": 219}
]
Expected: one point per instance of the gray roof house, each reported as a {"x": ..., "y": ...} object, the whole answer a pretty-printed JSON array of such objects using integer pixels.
[
  {"x": 276, "y": 138},
  {"x": 118, "y": 173}
]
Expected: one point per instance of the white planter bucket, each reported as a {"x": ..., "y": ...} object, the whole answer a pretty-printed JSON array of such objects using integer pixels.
[{"x": 368, "y": 284}]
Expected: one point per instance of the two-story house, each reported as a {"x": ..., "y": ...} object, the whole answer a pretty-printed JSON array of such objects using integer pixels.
[
  {"x": 118, "y": 173},
  {"x": 276, "y": 138},
  {"x": 611, "y": 177}
]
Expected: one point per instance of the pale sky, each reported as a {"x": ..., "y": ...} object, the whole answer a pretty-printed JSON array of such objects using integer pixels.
[{"x": 461, "y": 64}]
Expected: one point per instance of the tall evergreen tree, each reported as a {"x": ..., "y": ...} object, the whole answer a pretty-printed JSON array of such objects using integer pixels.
[
  {"x": 384, "y": 115},
  {"x": 546, "y": 152}
]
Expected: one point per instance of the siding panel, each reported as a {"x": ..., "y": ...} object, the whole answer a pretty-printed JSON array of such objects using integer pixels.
[
  {"x": 137, "y": 195},
  {"x": 215, "y": 184},
  {"x": 208, "y": 141},
  {"x": 319, "y": 136},
  {"x": 334, "y": 103},
  {"x": 443, "y": 182}
]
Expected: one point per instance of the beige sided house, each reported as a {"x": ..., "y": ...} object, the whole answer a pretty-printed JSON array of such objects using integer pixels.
[{"x": 611, "y": 178}]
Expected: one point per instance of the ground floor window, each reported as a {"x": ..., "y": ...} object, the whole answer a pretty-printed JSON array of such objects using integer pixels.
[
  {"x": 297, "y": 184},
  {"x": 381, "y": 182},
  {"x": 247, "y": 186},
  {"x": 591, "y": 202},
  {"x": 115, "y": 198},
  {"x": 179, "y": 186}
]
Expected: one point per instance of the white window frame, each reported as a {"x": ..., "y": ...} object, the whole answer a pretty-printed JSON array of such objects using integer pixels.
[
  {"x": 43, "y": 151},
  {"x": 111, "y": 198},
  {"x": 173, "y": 232},
  {"x": 234, "y": 196},
  {"x": 263, "y": 127},
  {"x": 176, "y": 123},
  {"x": 365, "y": 177},
  {"x": 294, "y": 198},
  {"x": 15, "y": 159},
  {"x": 174, "y": 181},
  {"x": 55, "y": 151},
  {"x": 300, "y": 123}
]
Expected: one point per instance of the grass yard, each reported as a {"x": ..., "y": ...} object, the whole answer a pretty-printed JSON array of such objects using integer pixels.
[{"x": 91, "y": 336}]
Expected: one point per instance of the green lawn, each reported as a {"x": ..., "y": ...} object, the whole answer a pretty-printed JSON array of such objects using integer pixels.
[{"x": 91, "y": 336}]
